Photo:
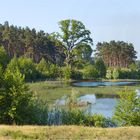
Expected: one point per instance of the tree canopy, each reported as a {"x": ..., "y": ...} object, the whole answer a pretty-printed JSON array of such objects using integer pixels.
[
  {"x": 34, "y": 44},
  {"x": 73, "y": 33},
  {"x": 114, "y": 53}
]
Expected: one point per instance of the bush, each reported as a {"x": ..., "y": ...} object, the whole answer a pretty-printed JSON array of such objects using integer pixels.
[
  {"x": 90, "y": 72},
  {"x": 72, "y": 117},
  {"x": 78, "y": 117},
  {"x": 17, "y": 103},
  {"x": 42, "y": 68},
  {"x": 25, "y": 66},
  {"x": 115, "y": 74},
  {"x": 109, "y": 74},
  {"x": 66, "y": 73},
  {"x": 99, "y": 120},
  {"x": 47, "y": 69},
  {"x": 14, "y": 99},
  {"x": 28, "y": 68},
  {"x": 54, "y": 71},
  {"x": 126, "y": 73},
  {"x": 76, "y": 75},
  {"x": 1, "y": 76},
  {"x": 128, "y": 109},
  {"x": 4, "y": 58}
]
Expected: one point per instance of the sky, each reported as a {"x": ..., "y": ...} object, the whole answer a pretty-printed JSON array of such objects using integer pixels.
[{"x": 106, "y": 19}]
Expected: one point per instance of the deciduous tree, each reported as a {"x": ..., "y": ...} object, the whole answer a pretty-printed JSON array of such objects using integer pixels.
[{"x": 73, "y": 33}]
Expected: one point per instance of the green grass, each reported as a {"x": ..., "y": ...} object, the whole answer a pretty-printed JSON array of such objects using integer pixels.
[
  {"x": 67, "y": 133},
  {"x": 52, "y": 90}
]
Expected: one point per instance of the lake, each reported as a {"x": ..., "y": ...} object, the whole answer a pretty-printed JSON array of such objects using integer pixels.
[
  {"x": 99, "y": 104},
  {"x": 92, "y": 104},
  {"x": 102, "y": 83}
]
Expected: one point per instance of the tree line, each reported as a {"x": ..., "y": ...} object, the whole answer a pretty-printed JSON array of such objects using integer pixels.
[
  {"x": 66, "y": 54},
  {"x": 28, "y": 42},
  {"x": 116, "y": 54},
  {"x": 54, "y": 47},
  {"x": 69, "y": 46}
]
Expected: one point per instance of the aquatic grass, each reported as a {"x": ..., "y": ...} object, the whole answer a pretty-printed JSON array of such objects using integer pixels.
[{"x": 50, "y": 91}]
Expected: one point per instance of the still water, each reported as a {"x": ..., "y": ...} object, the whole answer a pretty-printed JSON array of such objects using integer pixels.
[
  {"x": 108, "y": 83},
  {"x": 92, "y": 104},
  {"x": 104, "y": 106}
]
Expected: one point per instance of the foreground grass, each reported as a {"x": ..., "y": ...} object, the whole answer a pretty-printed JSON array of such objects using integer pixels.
[
  {"x": 67, "y": 133},
  {"x": 52, "y": 90}
]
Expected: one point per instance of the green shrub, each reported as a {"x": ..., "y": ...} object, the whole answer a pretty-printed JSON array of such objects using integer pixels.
[
  {"x": 72, "y": 117},
  {"x": 42, "y": 68},
  {"x": 128, "y": 109},
  {"x": 26, "y": 67},
  {"x": 17, "y": 103},
  {"x": 76, "y": 75},
  {"x": 78, "y": 117},
  {"x": 126, "y": 73},
  {"x": 115, "y": 73},
  {"x": 54, "y": 71},
  {"x": 1, "y": 76},
  {"x": 4, "y": 58},
  {"x": 66, "y": 73},
  {"x": 14, "y": 97},
  {"x": 98, "y": 120},
  {"x": 90, "y": 72},
  {"x": 109, "y": 74}
]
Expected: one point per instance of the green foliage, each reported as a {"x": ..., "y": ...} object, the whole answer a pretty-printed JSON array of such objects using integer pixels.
[
  {"x": 54, "y": 71},
  {"x": 137, "y": 63},
  {"x": 73, "y": 33},
  {"x": 28, "y": 42},
  {"x": 109, "y": 74},
  {"x": 116, "y": 53},
  {"x": 4, "y": 59},
  {"x": 14, "y": 98},
  {"x": 13, "y": 64},
  {"x": 42, "y": 67},
  {"x": 71, "y": 100},
  {"x": 78, "y": 117},
  {"x": 133, "y": 67},
  {"x": 17, "y": 103},
  {"x": 115, "y": 74},
  {"x": 48, "y": 69},
  {"x": 82, "y": 52},
  {"x": 1, "y": 76},
  {"x": 126, "y": 73},
  {"x": 90, "y": 72},
  {"x": 100, "y": 66},
  {"x": 76, "y": 74},
  {"x": 127, "y": 111},
  {"x": 72, "y": 117},
  {"x": 25, "y": 65},
  {"x": 66, "y": 73}
]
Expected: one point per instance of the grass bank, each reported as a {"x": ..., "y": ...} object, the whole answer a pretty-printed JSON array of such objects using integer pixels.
[
  {"x": 52, "y": 90},
  {"x": 68, "y": 133}
]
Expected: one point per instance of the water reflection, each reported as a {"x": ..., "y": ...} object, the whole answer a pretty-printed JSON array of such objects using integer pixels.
[
  {"x": 104, "y": 106},
  {"x": 100, "y": 83},
  {"x": 91, "y": 104}
]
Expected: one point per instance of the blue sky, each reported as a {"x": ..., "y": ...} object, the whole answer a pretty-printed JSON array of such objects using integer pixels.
[{"x": 106, "y": 19}]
